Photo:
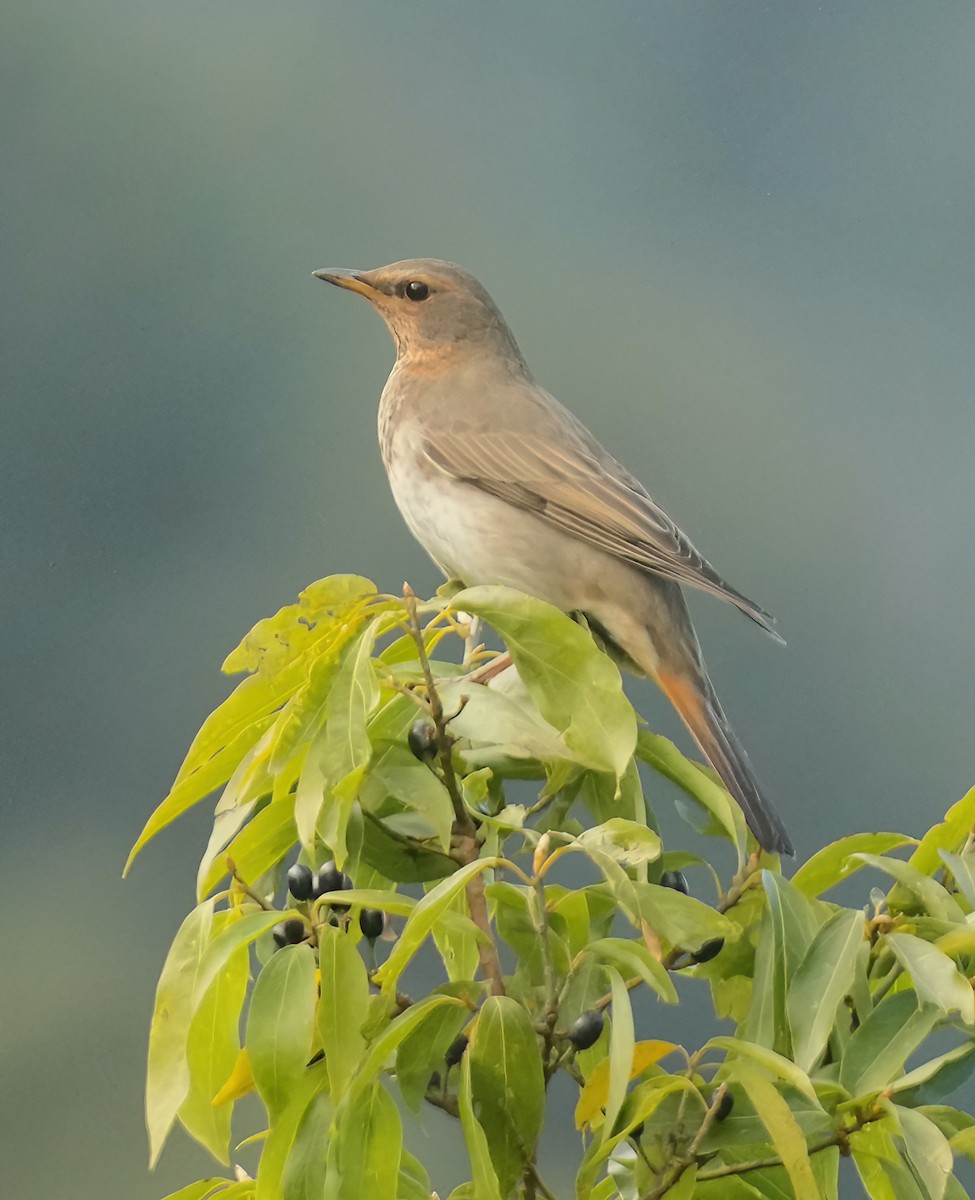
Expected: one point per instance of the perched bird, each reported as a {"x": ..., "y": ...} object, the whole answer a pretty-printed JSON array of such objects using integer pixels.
[{"x": 502, "y": 485}]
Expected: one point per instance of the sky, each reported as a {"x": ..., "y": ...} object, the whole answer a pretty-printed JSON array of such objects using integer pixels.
[{"x": 734, "y": 239}]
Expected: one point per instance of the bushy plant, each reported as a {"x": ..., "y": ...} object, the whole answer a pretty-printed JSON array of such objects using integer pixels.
[{"x": 376, "y": 750}]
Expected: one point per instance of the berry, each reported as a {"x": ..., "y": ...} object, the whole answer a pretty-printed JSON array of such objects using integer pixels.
[
  {"x": 328, "y": 879},
  {"x": 725, "y": 1106},
  {"x": 372, "y": 922},
  {"x": 709, "y": 950},
  {"x": 585, "y": 1030},
  {"x": 455, "y": 1051},
  {"x": 288, "y": 933},
  {"x": 675, "y": 880},
  {"x": 301, "y": 882},
  {"x": 422, "y": 740}
]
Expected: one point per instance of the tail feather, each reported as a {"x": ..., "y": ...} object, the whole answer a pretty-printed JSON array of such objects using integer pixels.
[{"x": 698, "y": 707}]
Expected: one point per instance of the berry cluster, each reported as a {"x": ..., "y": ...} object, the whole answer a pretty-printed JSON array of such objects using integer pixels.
[{"x": 306, "y": 886}]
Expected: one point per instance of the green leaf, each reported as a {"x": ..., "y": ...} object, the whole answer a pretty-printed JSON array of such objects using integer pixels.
[
  {"x": 364, "y": 1154},
  {"x": 927, "y": 1150},
  {"x": 168, "y": 1076},
  {"x": 883, "y": 1174},
  {"x": 212, "y": 1046},
  {"x": 621, "y": 1044},
  {"x": 423, "y": 918},
  {"x": 499, "y": 725},
  {"x": 788, "y": 928},
  {"x": 485, "y": 1179},
  {"x": 280, "y": 1024},
  {"x": 774, "y": 1064},
  {"x": 395, "y": 773},
  {"x": 423, "y": 1052},
  {"x": 507, "y": 1085},
  {"x": 194, "y": 961},
  {"x": 820, "y": 983},
  {"x": 963, "y": 1142},
  {"x": 607, "y": 797},
  {"x": 661, "y": 754},
  {"x": 949, "y": 835},
  {"x": 200, "y": 1190},
  {"x": 680, "y": 920},
  {"x": 626, "y": 842},
  {"x": 937, "y": 1079},
  {"x": 877, "y": 1051},
  {"x": 342, "y": 1007},
  {"x": 575, "y": 687},
  {"x": 307, "y": 1165},
  {"x": 836, "y": 862},
  {"x": 935, "y": 899},
  {"x": 391, "y": 902},
  {"x": 259, "y": 846},
  {"x": 962, "y": 868},
  {"x": 206, "y": 778},
  {"x": 346, "y": 748},
  {"x": 414, "y": 1182},
  {"x": 402, "y": 863},
  {"x": 283, "y": 1132},
  {"x": 783, "y": 1129},
  {"x": 950, "y": 1121},
  {"x": 634, "y": 958},
  {"x": 936, "y": 978},
  {"x": 395, "y": 1033}
]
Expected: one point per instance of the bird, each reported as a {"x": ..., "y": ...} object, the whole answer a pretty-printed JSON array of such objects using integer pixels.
[{"x": 501, "y": 484}]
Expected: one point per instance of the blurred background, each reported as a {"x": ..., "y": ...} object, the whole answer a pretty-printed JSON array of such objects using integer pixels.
[{"x": 735, "y": 239}]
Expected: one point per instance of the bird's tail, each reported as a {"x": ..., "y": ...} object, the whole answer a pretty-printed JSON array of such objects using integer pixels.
[{"x": 697, "y": 704}]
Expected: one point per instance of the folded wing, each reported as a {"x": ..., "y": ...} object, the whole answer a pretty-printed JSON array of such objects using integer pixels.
[{"x": 575, "y": 485}]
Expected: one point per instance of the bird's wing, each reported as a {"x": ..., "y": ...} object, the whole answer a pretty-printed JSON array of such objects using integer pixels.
[{"x": 575, "y": 485}]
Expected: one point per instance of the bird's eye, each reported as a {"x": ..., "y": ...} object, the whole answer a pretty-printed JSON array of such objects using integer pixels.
[{"x": 416, "y": 289}]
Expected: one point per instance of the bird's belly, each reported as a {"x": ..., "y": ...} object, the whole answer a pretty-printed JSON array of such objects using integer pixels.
[{"x": 477, "y": 538}]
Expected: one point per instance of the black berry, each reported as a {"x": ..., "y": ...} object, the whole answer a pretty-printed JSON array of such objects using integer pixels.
[
  {"x": 709, "y": 950},
  {"x": 372, "y": 922},
  {"x": 422, "y": 740},
  {"x": 301, "y": 882},
  {"x": 585, "y": 1030},
  {"x": 726, "y": 1104},
  {"x": 675, "y": 880},
  {"x": 328, "y": 879},
  {"x": 455, "y": 1051},
  {"x": 288, "y": 933}
]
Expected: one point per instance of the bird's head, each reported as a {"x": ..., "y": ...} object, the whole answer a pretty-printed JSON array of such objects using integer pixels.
[{"x": 433, "y": 308}]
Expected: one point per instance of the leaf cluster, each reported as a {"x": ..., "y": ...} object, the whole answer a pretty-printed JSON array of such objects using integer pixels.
[{"x": 853, "y": 1026}]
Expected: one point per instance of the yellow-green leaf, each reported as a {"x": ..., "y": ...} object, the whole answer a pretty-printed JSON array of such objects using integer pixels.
[{"x": 782, "y": 1127}]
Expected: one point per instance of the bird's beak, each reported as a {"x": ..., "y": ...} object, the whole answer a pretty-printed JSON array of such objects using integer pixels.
[{"x": 352, "y": 280}]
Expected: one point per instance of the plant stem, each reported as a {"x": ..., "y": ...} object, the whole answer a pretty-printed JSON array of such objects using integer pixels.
[
  {"x": 535, "y": 1185},
  {"x": 244, "y": 887},
  {"x": 466, "y": 846},
  {"x": 839, "y": 1137},
  {"x": 680, "y": 1164},
  {"x": 551, "y": 1012}
]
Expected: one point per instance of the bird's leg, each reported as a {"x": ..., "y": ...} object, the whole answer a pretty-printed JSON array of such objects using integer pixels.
[{"x": 487, "y": 672}]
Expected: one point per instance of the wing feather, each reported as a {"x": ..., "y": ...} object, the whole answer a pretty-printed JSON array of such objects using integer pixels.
[{"x": 576, "y": 486}]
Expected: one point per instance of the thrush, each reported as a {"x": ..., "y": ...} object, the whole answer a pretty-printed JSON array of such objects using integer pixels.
[{"x": 503, "y": 485}]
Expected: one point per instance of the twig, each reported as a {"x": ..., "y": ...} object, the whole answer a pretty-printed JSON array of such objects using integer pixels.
[
  {"x": 444, "y": 739},
  {"x": 466, "y": 846},
  {"x": 537, "y": 1185},
  {"x": 245, "y": 887},
  {"x": 551, "y": 1011},
  {"x": 839, "y": 1137},
  {"x": 679, "y": 1165}
]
